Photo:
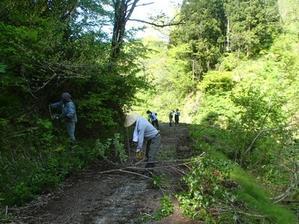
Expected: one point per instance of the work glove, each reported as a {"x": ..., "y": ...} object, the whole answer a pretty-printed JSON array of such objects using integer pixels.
[
  {"x": 139, "y": 154},
  {"x": 56, "y": 117}
]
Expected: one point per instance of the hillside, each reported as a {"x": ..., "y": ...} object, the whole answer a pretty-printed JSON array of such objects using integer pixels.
[{"x": 244, "y": 112}]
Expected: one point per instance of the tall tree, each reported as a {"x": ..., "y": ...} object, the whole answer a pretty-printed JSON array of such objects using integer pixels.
[
  {"x": 204, "y": 30},
  {"x": 214, "y": 27},
  {"x": 253, "y": 25},
  {"x": 123, "y": 10}
]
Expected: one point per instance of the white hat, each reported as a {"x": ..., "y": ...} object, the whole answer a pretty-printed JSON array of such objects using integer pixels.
[{"x": 131, "y": 119}]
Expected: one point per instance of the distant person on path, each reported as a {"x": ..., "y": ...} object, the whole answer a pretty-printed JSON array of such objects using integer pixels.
[
  {"x": 144, "y": 131},
  {"x": 170, "y": 116},
  {"x": 68, "y": 113},
  {"x": 177, "y": 116},
  {"x": 153, "y": 118}
]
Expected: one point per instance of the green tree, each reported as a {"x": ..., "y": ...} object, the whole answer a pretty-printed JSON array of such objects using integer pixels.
[
  {"x": 251, "y": 25},
  {"x": 47, "y": 47},
  {"x": 204, "y": 30}
]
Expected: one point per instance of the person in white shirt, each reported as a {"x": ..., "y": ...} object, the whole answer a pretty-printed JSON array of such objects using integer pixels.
[
  {"x": 170, "y": 116},
  {"x": 145, "y": 131}
]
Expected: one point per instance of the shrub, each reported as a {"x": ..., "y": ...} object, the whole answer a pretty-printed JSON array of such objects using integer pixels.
[{"x": 206, "y": 188}]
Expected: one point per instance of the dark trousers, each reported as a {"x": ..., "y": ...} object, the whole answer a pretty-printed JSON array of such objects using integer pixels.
[
  {"x": 170, "y": 121},
  {"x": 155, "y": 123},
  {"x": 152, "y": 148},
  {"x": 176, "y": 119}
]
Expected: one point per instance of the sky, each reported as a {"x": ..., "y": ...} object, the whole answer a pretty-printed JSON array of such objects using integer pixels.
[{"x": 168, "y": 7}]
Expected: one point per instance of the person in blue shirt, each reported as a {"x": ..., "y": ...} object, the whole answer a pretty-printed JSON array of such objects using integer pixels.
[
  {"x": 68, "y": 113},
  {"x": 153, "y": 118},
  {"x": 145, "y": 131}
]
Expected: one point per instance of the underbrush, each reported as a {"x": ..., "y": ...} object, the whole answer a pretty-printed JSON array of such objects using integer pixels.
[
  {"x": 166, "y": 209},
  {"x": 219, "y": 190},
  {"x": 37, "y": 160},
  {"x": 209, "y": 191}
]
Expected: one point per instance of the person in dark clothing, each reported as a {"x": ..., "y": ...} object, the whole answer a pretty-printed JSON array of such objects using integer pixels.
[
  {"x": 68, "y": 113},
  {"x": 177, "y": 117}
]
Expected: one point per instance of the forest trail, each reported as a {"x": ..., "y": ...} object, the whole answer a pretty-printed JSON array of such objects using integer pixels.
[{"x": 92, "y": 197}]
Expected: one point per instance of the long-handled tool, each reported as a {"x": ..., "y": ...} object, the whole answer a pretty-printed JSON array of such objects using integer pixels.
[{"x": 53, "y": 116}]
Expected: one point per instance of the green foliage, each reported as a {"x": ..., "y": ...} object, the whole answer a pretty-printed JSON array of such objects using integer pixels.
[
  {"x": 2, "y": 68},
  {"x": 247, "y": 113},
  {"x": 257, "y": 109},
  {"x": 203, "y": 31},
  {"x": 252, "y": 25},
  {"x": 160, "y": 181},
  {"x": 258, "y": 199},
  {"x": 5, "y": 218},
  {"x": 166, "y": 209},
  {"x": 33, "y": 174},
  {"x": 212, "y": 28},
  {"x": 157, "y": 181},
  {"x": 46, "y": 48},
  {"x": 206, "y": 188},
  {"x": 112, "y": 147},
  {"x": 229, "y": 62},
  {"x": 46, "y": 129},
  {"x": 217, "y": 83},
  {"x": 171, "y": 82},
  {"x": 251, "y": 201}
]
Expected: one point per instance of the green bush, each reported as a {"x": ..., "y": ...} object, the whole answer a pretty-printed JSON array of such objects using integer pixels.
[
  {"x": 166, "y": 209},
  {"x": 112, "y": 148},
  {"x": 34, "y": 169},
  {"x": 206, "y": 188},
  {"x": 217, "y": 83}
]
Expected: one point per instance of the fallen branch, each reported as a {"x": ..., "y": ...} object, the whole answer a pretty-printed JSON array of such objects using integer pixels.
[
  {"x": 178, "y": 170},
  {"x": 219, "y": 210},
  {"x": 185, "y": 161},
  {"x": 293, "y": 186},
  {"x": 140, "y": 162},
  {"x": 261, "y": 132},
  {"x": 109, "y": 161},
  {"x": 124, "y": 171},
  {"x": 152, "y": 168},
  {"x": 165, "y": 161},
  {"x": 254, "y": 140},
  {"x": 250, "y": 214}
]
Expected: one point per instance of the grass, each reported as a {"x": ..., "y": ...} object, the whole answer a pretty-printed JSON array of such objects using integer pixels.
[
  {"x": 250, "y": 192},
  {"x": 257, "y": 198}
]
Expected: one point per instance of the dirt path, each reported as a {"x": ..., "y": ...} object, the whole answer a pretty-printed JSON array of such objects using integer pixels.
[{"x": 96, "y": 198}]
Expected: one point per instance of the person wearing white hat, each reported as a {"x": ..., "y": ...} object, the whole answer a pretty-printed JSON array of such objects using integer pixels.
[{"x": 145, "y": 131}]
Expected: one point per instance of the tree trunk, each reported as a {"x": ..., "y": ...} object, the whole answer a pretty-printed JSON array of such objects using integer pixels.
[
  {"x": 123, "y": 9},
  {"x": 228, "y": 36}
]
